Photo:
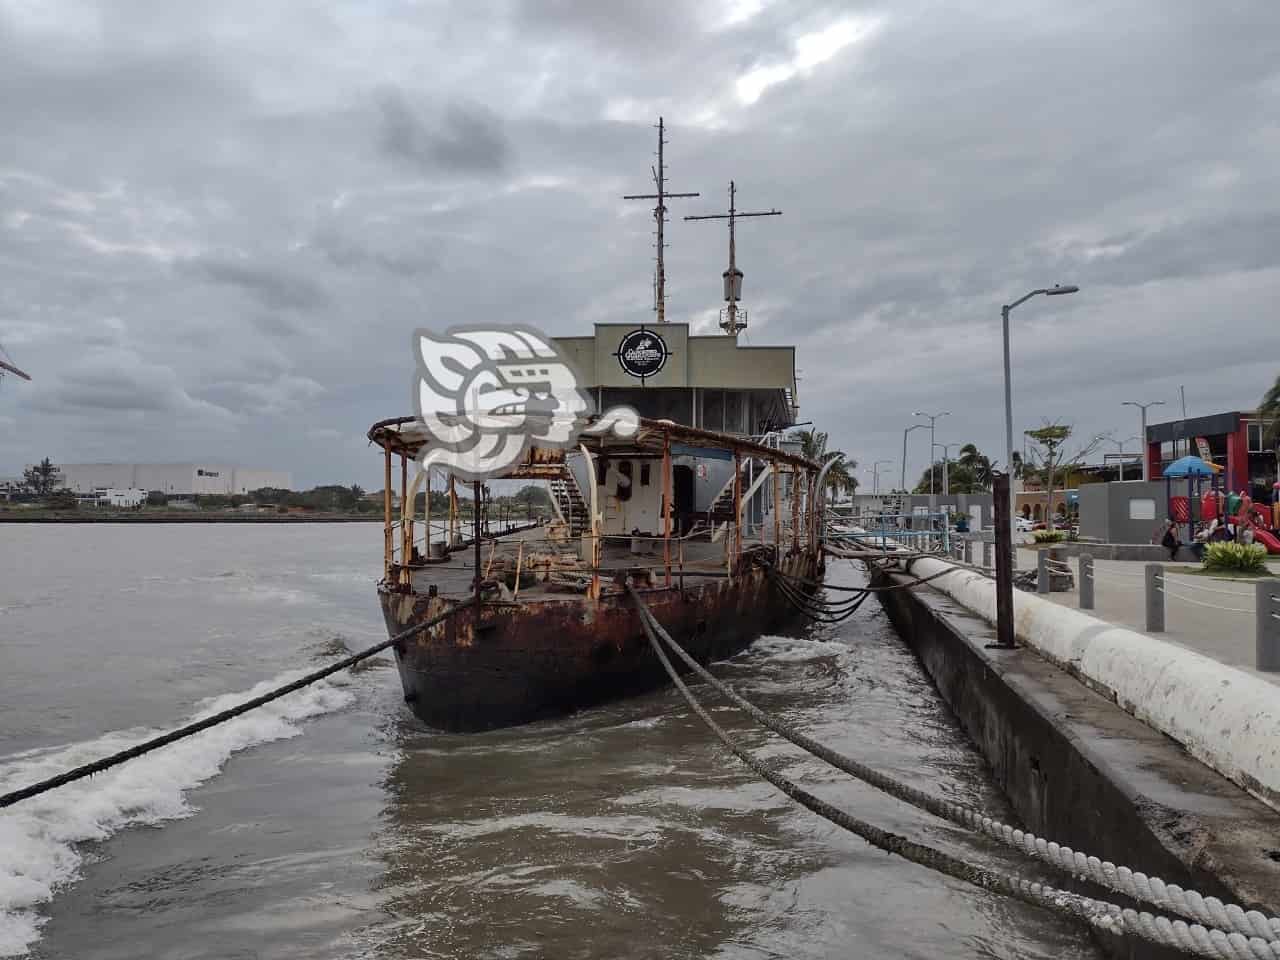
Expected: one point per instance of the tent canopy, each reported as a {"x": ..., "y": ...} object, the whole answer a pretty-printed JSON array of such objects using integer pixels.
[{"x": 1190, "y": 467}]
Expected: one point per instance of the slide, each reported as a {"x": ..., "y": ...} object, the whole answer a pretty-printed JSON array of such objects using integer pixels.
[{"x": 1268, "y": 540}]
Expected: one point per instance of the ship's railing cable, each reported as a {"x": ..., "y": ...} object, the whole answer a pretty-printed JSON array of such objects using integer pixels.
[
  {"x": 155, "y": 743},
  {"x": 1190, "y": 938},
  {"x": 1209, "y": 911}
]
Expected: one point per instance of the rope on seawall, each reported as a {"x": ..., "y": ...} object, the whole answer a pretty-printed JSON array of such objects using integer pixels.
[
  {"x": 1228, "y": 930},
  {"x": 97, "y": 766}
]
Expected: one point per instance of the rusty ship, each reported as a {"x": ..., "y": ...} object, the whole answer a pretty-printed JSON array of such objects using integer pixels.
[{"x": 697, "y": 509}]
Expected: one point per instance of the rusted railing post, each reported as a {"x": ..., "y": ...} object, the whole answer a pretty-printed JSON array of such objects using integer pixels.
[
  {"x": 795, "y": 507},
  {"x": 777, "y": 511},
  {"x": 406, "y": 545},
  {"x": 386, "y": 513},
  {"x": 737, "y": 508},
  {"x": 666, "y": 508},
  {"x": 475, "y": 523}
]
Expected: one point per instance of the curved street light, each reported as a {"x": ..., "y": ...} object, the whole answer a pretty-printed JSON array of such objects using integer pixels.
[
  {"x": 932, "y": 418},
  {"x": 1054, "y": 291},
  {"x": 1143, "y": 408},
  {"x": 917, "y": 426},
  {"x": 875, "y": 475}
]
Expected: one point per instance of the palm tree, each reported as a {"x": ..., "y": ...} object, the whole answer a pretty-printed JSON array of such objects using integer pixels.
[
  {"x": 1269, "y": 409},
  {"x": 840, "y": 476},
  {"x": 978, "y": 464},
  {"x": 812, "y": 443}
]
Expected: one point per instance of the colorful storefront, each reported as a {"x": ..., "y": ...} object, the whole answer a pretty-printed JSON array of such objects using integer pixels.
[{"x": 1234, "y": 441}]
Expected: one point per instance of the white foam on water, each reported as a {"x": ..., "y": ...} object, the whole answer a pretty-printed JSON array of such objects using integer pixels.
[
  {"x": 794, "y": 649},
  {"x": 39, "y": 836}
]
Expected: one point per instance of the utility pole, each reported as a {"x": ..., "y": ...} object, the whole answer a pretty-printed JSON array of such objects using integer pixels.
[
  {"x": 660, "y": 218},
  {"x": 733, "y": 276}
]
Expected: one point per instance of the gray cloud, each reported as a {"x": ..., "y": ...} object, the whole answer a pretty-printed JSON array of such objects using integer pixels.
[
  {"x": 465, "y": 137},
  {"x": 274, "y": 287},
  {"x": 232, "y": 214}
]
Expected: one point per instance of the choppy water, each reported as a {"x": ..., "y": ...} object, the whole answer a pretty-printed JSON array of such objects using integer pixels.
[{"x": 332, "y": 825}]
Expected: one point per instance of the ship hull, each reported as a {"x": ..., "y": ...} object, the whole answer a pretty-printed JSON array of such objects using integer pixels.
[{"x": 530, "y": 661}]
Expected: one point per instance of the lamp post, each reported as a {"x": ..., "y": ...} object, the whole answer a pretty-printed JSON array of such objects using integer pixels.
[
  {"x": 946, "y": 462},
  {"x": 1143, "y": 407},
  {"x": 1055, "y": 291},
  {"x": 932, "y": 418},
  {"x": 917, "y": 426},
  {"x": 875, "y": 475}
]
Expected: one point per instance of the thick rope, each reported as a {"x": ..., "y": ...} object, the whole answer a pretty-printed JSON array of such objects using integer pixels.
[
  {"x": 1209, "y": 911},
  {"x": 818, "y": 610},
  {"x": 97, "y": 766},
  {"x": 1190, "y": 938}
]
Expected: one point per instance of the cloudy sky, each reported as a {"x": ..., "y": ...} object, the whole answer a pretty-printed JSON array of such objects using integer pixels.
[{"x": 219, "y": 222}]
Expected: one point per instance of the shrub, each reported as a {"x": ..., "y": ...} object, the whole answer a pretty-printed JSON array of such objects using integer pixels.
[
  {"x": 1241, "y": 557},
  {"x": 1049, "y": 536}
]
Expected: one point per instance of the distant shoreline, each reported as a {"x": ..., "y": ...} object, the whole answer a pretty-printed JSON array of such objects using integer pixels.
[{"x": 87, "y": 517}]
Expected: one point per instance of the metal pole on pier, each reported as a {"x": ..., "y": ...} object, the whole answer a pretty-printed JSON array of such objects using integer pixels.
[{"x": 1004, "y": 561}]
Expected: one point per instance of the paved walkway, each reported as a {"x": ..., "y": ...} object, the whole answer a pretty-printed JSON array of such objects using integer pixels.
[{"x": 1213, "y": 617}]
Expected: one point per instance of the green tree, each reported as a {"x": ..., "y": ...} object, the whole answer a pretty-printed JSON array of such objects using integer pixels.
[
  {"x": 1050, "y": 439},
  {"x": 43, "y": 478},
  {"x": 157, "y": 498},
  {"x": 978, "y": 465}
]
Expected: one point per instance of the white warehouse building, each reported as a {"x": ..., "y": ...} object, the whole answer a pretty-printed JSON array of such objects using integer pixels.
[{"x": 174, "y": 479}]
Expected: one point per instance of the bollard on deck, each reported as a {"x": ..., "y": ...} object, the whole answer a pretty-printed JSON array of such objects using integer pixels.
[
  {"x": 1267, "y": 599},
  {"x": 1154, "y": 594},
  {"x": 1085, "y": 578}
]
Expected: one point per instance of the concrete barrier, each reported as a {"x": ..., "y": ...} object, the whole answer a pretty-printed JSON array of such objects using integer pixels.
[{"x": 1226, "y": 718}]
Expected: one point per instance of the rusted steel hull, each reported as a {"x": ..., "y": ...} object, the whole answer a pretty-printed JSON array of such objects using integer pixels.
[{"x": 530, "y": 661}]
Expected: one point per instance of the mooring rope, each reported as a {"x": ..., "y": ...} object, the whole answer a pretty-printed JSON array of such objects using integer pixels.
[
  {"x": 1209, "y": 911},
  {"x": 1110, "y": 917},
  {"x": 97, "y": 766}
]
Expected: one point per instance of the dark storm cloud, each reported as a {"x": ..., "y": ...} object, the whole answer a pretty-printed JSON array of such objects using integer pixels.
[
  {"x": 465, "y": 137},
  {"x": 272, "y": 287},
  {"x": 233, "y": 213}
]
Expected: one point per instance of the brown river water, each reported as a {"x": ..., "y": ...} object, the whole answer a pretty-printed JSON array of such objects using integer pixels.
[{"x": 333, "y": 825}]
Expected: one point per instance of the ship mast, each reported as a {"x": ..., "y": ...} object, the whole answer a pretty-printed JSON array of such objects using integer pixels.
[
  {"x": 660, "y": 217},
  {"x": 733, "y": 276}
]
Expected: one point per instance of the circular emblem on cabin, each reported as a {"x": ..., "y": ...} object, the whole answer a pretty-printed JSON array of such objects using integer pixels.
[{"x": 642, "y": 353}]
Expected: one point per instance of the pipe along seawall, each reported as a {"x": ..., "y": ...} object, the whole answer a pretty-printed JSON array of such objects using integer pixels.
[{"x": 1140, "y": 751}]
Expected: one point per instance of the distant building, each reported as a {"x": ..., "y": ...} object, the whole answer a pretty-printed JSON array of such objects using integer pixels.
[
  {"x": 1233, "y": 441},
  {"x": 109, "y": 497},
  {"x": 172, "y": 479}
]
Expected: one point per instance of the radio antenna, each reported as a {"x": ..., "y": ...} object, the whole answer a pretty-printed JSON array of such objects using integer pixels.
[
  {"x": 660, "y": 218},
  {"x": 731, "y": 324}
]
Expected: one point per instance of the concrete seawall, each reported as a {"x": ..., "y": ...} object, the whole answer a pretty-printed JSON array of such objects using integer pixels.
[{"x": 1080, "y": 770}]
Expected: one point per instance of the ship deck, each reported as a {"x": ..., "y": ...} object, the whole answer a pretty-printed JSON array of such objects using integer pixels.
[{"x": 551, "y": 568}]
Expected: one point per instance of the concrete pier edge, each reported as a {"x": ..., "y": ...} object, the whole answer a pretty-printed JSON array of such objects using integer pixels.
[
  {"x": 1080, "y": 770},
  {"x": 1227, "y": 718}
]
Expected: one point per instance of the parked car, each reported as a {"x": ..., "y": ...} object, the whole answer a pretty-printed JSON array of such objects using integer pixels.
[{"x": 1025, "y": 524}]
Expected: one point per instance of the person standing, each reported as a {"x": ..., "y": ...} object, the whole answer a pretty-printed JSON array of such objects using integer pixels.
[{"x": 1170, "y": 539}]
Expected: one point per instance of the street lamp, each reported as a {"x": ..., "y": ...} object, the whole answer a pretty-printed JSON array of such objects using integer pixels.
[
  {"x": 875, "y": 475},
  {"x": 1143, "y": 407},
  {"x": 917, "y": 426},
  {"x": 1055, "y": 291},
  {"x": 946, "y": 461},
  {"x": 932, "y": 418}
]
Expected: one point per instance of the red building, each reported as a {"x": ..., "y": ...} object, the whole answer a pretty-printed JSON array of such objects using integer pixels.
[{"x": 1233, "y": 441}]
